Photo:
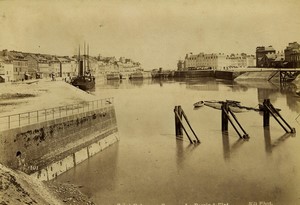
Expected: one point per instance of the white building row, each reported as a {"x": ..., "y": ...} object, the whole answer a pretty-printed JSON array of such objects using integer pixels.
[{"x": 216, "y": 61}]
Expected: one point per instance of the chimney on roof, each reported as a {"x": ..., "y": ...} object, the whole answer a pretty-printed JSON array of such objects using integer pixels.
[{"x": 5, "y": 52}]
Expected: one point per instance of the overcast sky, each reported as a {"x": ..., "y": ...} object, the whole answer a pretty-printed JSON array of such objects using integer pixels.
[{"x": 156, "y": 33}]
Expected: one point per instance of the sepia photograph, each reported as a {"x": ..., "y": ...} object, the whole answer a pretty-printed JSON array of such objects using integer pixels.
[{"x": 162, "y": 102}]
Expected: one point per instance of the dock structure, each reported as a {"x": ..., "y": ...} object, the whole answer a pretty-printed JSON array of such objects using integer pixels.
[
  {"x": 179, "y": 125},
  {"x": 269, "y": 109},
  {"x": 46, "y": 143},
  {"x": 286, "y": 74},
  {"x": 225, "y": 117}
]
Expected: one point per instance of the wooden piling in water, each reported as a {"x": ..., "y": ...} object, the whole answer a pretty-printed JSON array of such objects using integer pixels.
[
  {"x": 266, "y": 117},
  {"x": 270, "y": 109},
  {"x": 187, "y": 121},
  {"x": 178, "y": 117},
  {"x": 179, "y": 125},
  {"x": 245, "y": 135},
  {"x": 292, "y": 130},
  {"x": 224, "y": 117}
]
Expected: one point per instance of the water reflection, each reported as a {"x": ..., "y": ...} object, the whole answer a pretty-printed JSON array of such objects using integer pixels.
[
  {"x": 150, "y": 169},
  {"x": 114, "y": 83},
  {"x": 227, "y": 148},
  {"x": 269, "y": 144},
  {"x": 183, "y": 151},
  {"x": 265, "y": 90},
  {"x": 101, "y": 166},
  {"x": 203, "y": 84}
]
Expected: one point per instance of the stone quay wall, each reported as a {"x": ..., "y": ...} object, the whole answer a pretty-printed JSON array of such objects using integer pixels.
[{"x": 49, "y": 148}]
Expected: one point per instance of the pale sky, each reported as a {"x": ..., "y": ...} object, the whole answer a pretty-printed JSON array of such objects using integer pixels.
[{"x": 156, "y": 33}]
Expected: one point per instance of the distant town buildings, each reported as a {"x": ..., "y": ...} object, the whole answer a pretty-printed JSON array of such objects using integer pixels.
[
  {"x": 17, "y": 65},
  {"x": 261, "y": 56},
  {"x": 292, "y": 55},
  {"x": 17, "y": 62},
  {"x": 216, "y": 61},
  {"x": 267, "y": 57}
]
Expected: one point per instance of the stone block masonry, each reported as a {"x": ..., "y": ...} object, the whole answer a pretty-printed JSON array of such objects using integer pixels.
[{"x": 47, "y": 149}]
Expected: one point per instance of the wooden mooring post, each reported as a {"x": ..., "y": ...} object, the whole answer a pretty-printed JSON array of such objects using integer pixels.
[
  {"x": 179, "y": 125},
  {"x": 178, "y": 117},
  {"x": 266, "y": 113},
  {"x": 270, "y": 109},
  {"x": 225, "y": 116}
]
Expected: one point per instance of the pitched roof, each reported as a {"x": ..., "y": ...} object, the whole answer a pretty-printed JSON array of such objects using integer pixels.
[{"x": 269, "y": 48}]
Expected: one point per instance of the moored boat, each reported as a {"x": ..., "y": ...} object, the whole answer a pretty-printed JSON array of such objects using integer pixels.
[
  {"x": 199, "y": 104},
  {"x": 136, "y": 75},
  {"x": 113, "y": 76},
  {"x": 233, "y": 105},
  {"x": 85, "y": 80}
]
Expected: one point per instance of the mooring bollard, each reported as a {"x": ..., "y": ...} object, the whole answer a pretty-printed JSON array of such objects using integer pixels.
[
  {"x": 266, "y": 113},
  {"x": 224, "y": 117}
]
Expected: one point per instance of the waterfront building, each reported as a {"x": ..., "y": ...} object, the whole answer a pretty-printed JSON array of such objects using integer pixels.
[
  {"x": 190, "y": 61},
  {"x": 180, "y": 65},
  {"x": 216, "y": 61},
  {"x": 275, "y": 60},
  {"x": 240, "y": 61},
  {"x": 54, "y": 67},
  {"x": 6, "y": 70},
  {"x": 292, "y": 55},
  {"x": 20, "y": 64},
  {"x": 42, "y": 65},
  {"x": 32, "y": 65},
  {"x": 262, "y": 60},
  {"x": 65, "y": 67},
  {"x": 251, "y": 61}
]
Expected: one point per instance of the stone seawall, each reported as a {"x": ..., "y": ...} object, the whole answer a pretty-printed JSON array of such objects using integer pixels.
[{"x": 47, "y": 149}]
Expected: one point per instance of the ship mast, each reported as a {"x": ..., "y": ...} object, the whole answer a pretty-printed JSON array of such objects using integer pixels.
[
  {"x": 78, "y": 60},
  {"x": 88, "y": 63},
  {"x": 84, "y": 60}
]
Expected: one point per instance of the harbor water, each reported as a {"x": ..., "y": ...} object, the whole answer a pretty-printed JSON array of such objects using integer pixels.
[{"x": 149, "y": 166}]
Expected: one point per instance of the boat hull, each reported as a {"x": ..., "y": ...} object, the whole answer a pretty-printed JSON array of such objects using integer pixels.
[
  {"x": 218, "y": 106},
  {"x": 113, "y": 76},
  {"x": 199, "y": 104},
  {"x": 84, "y": 83}
]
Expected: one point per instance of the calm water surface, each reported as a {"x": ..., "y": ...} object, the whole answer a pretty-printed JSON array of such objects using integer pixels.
[{"x": 149, "y": 166}]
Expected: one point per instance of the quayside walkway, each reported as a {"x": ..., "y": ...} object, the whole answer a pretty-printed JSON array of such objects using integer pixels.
[{"x": 22, "y": 119}]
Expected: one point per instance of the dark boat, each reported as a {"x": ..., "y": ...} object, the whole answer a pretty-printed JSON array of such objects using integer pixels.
[{"x": 85, "y": 81}]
